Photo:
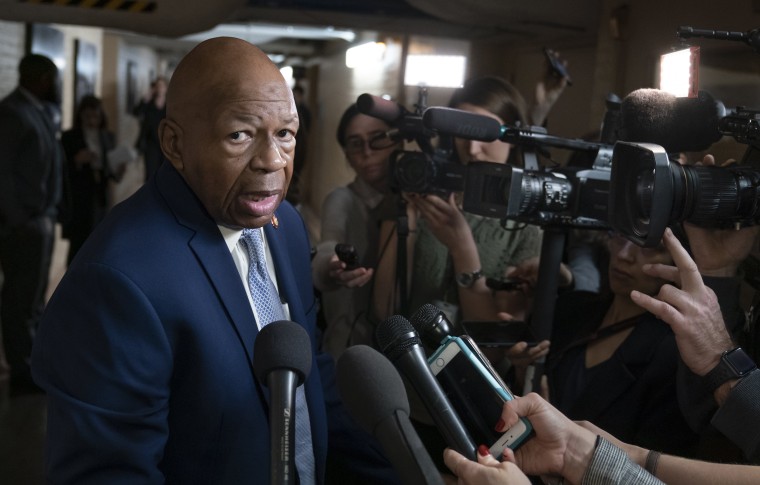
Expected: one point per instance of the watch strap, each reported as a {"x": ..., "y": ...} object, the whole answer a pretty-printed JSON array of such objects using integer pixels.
[
  {"x": 466, "y": 280},
  {"x": 733, "y": 364}
]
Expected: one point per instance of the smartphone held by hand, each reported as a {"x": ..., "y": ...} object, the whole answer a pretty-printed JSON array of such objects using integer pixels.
[{"x": 476, "y": 393}]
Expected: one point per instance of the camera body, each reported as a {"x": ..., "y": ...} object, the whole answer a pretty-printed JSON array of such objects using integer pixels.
[
  {"x": 425, "y": 173},
  {"x": 564, "y": 197}
]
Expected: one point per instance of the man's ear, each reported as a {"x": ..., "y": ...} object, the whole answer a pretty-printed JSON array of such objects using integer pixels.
[{"x": 170, "y": 134}]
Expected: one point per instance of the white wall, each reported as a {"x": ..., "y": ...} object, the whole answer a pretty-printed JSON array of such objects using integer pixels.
[{"x": 11, "y": 52}]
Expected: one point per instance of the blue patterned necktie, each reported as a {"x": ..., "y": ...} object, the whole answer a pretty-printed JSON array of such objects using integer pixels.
[{"x": 269, "y": 309}]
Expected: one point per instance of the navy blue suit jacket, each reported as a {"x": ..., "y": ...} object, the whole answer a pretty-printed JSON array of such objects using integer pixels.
[{"x": 146, "y": 350}]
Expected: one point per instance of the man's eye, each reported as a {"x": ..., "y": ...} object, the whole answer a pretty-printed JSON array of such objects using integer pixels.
[
  {"x": 238, "y": 136},
  {"x": 285, "y": 133}
]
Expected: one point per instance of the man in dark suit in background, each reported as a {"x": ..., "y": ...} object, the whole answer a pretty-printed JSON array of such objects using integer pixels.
[
  {"x": 146, "y": 347},
  {"x": 30, "y": 189}
]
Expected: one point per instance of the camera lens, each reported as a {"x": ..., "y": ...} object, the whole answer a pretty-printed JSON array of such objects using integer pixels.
[
  {"x": 715, "y": 196},
  {"x": 412, "y": 172}
]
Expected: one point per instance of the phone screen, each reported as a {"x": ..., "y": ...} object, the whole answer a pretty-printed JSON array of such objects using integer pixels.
[{"x": 473, "y": 396}]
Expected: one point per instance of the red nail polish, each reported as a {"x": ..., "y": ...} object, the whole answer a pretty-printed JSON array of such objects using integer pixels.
[
  {"x": 483, "y": 450},
  {"x": 499, "y": 425}
]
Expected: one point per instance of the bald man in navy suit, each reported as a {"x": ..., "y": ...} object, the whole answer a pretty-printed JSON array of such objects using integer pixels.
[{"x": 146, "y": 347}]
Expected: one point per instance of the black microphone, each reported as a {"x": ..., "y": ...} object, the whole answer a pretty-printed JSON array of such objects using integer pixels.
[
  {"x": 385, "y": 109},
  {"x": 431, "y": 324},
  {"x": 374, "y": 394},
  {"x": 401, "y": 344},
  {"x": 751, "y": 38},
  {"x": 676, "y": 124},
  {"x": 282, "y": 362},
  {"x": 462, "y": 124}
]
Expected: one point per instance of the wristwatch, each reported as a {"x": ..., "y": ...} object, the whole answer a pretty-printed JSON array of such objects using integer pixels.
[
  {"x": 466, "y": 280},
  {"x": 734, "y": 364}
]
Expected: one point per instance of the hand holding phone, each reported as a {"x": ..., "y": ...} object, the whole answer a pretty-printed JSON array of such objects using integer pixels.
[
  {"x": 476, "y": 395},
  {"x": 347, "y": 253},
  {"x": 557, "y": 67}
]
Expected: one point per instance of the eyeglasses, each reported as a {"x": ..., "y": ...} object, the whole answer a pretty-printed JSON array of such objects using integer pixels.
[{"x": 380, "y": 141}]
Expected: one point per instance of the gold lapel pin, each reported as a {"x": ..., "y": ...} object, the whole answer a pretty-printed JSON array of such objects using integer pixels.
[{"x": 275, "y": 222}]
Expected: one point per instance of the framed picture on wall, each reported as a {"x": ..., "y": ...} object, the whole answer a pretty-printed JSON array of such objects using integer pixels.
[{"x": 86, "y": 72}]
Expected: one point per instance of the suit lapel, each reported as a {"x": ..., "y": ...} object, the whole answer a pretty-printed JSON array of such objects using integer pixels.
[
  {"x": 222, "y": 272},
  {"x": 212, "y": 254}
]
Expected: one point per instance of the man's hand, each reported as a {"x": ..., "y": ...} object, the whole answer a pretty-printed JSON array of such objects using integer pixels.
[{"x": 692, "y": 311}]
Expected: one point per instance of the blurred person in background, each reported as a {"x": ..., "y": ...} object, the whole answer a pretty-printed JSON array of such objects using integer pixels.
[
  {"x": 352, "y": 215},
  {"x": 88, "y": 173},
  {"x": 150, "y": 111},
  {"x": 30, "y": 191}
]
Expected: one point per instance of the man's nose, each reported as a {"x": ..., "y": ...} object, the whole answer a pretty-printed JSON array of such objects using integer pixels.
[{"x": 268, "y": 156}]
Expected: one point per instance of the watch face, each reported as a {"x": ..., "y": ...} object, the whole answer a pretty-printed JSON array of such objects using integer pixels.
[
  {"x": 740, "y": 361},
  {"x": 465, "y": 279}
]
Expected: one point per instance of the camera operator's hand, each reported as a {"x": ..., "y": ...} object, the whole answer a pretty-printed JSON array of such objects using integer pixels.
[
  {"x": 719, "y": 252},
  {"x": 692, "y": 311},
  {"x": 352, "y": 278},
  {"x": 446, "y": 221}
]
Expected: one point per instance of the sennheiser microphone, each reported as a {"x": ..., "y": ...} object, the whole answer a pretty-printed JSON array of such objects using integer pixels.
[
  {"x": 399, "y": 341},
  {"x": 431, "y": 324},
  {"x": 282, "y": 362},
  {"x": 385, "y": 109},
  {"x": 676, "y": 124},
  {"x": 374, "y": 394},
  {"x": 462, "y": 124}
]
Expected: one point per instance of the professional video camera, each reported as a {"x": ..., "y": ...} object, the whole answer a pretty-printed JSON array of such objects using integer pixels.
[
  {"x": 567, "y": 196},
  {"x": 430, "y": 171},
  {"x": 649, "y": 192}
]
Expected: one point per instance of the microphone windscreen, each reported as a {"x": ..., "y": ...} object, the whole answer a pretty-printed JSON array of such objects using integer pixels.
[
  {"x": 395, "y": 336},
  {"x": 676, "y": 124},
  {"x": 369, "y": 386},
  {"x": 462, "y": 124},
  {"x": 385, "y": 109},
  {"x": 282, "y": 345}
]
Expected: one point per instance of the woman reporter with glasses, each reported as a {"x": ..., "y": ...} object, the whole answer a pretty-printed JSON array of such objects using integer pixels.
[{"x": 351, "y": 215}]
